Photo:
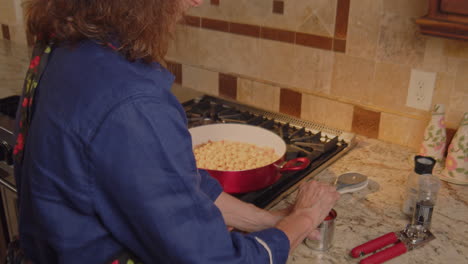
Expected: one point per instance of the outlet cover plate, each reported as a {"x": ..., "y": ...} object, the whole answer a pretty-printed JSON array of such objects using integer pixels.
[{"x": 421, "y": 89}]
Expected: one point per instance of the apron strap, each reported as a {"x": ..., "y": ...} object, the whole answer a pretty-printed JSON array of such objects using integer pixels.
[
  {"x": 124, "y": 257},
  {"x": 37, "y": 66}
]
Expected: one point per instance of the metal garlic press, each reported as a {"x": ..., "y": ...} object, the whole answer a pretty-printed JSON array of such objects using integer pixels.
[{"x": 411, "y": 237}]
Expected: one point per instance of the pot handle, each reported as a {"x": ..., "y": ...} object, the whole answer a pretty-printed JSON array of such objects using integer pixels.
[{"x": 291, "y": 164}]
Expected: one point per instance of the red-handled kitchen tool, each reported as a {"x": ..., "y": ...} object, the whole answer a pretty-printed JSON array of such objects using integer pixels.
[{"x": 411, "y": 237}]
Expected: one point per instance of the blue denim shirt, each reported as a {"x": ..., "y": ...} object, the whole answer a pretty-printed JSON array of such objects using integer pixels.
[{"x": 109, "y": 166}]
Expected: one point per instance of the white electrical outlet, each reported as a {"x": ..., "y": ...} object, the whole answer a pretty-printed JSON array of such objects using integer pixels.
[{"x": 421, "y": 88}]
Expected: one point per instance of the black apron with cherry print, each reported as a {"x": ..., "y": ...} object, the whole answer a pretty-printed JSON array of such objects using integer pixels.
[
  {"x": 37, "y": 66},
  {"x": 38, "y": 63}
]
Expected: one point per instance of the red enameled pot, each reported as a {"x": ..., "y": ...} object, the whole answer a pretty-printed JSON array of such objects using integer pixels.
[{"x": 251, "y": 179}]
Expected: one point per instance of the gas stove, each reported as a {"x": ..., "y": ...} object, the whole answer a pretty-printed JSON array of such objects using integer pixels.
[{"x": 322, "y": 145}]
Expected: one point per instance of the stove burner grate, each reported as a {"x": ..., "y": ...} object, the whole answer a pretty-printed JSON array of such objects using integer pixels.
[{"x": 300, "y": 141}]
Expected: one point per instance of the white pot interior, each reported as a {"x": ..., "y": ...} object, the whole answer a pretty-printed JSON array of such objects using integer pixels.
[{"x": 239, "y": 133}]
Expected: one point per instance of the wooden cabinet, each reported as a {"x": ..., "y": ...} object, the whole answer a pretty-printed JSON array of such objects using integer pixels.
[
  {"x": 446, "y": 18},
  {"x": 459, "y": 7}
]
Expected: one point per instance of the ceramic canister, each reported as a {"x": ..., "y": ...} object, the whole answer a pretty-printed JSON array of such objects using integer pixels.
[
  {"x": 435, "y": 136},
  {"x": 456, "y": 164}
]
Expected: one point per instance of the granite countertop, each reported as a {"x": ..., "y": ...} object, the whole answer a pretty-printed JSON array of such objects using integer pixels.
[{"x": 376, "y": 210}]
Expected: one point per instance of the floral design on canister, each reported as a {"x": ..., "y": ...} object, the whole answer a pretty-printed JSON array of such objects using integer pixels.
[
  {"x": 456, "y": 164},
  {"x": 435, "y": 136}
]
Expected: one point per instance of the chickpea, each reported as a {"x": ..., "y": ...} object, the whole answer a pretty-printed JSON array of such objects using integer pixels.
[{"x": 232, "y": 156}]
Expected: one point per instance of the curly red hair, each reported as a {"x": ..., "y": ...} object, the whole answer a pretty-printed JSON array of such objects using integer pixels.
[{"x": 143, "y": 28}]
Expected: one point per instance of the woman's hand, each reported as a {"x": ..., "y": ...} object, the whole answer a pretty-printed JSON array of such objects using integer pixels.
[
  {"x": 314, "y": 202},
  {"x": 282, "y": 213}
]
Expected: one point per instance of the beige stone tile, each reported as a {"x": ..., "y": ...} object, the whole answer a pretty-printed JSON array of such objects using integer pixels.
[
  {"x": 18, "y": 34},
  {"x": 247, "y": 11},
  {"x": 320, "y": 18},
  {"x": 185, "y": 47},
  {"x": 250, "y": 12},
  {"x": 14, "y": 62},
  {"x": 19, "y": 53},
  {"x": 200, "y": 79},
  {"x": 410, "y": 8},
  {"x": 242, "y": 55},
  {"x": 456, "y": 48},
  {"x": 402, "y": 130},
  {"x": 443, "y": 89},
  {"x": 400, "y": 41},
  {"x": 313, "y": 69},
  {"x": 435, "y": 59},
  {"x": 434, "y": 50},
  {"x": 221, "y": 51},
  {"x": 352, "y": 78},
  {"x": 328, "y": 112},
  {"x": 213, "y": 48},
  {"x": 7, "y": 12},
  {"x": 207, "y": 10},
  {"x": 363, "y": 28},
  {"x": 314, "y": 17},
  {"x": 276, "y": 61},
  {"x": 258, "y": 94},
  {"x": 457, "y": 107},
  {"x": 20, "y": 12},
  {"x": 197, "y": 11},
  {"x": 458, "y": 103},
  {"x": 326, "y": 12},
  {"x": 313, "y": 25},
  {"x": 288, "y": 20},
  {"x": 390, "y": 88},
  {"x": 461, "y": 83},
  {"x": 11, "y": 86}
]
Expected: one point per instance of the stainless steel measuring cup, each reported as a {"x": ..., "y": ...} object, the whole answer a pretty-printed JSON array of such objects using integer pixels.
[{"x": 327, "y": 230}]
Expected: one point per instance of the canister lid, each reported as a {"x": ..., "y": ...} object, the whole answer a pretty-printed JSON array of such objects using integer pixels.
[{"x": 423, "y": 165}]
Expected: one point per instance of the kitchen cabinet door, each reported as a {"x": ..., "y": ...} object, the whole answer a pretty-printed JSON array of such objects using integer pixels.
[
  {"x": 458, "y": 7},
  {"x": 446, "y": 18}
]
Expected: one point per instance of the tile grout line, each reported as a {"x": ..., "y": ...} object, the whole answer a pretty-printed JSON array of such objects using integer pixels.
[{"x": 262, "y": 30}]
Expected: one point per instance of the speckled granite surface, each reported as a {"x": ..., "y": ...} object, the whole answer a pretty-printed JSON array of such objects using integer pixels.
[{"x": 376, "y": 210}]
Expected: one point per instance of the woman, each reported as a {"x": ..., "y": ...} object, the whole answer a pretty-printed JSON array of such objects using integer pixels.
[{"x": 104, "y": 160}]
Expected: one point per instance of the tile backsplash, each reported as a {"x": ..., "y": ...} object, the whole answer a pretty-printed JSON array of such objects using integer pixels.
[
  {"x": 11, "y": 22},
  {"x": 342, "y": 63}
]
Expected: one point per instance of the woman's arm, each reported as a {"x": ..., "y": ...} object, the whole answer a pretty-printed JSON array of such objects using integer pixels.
[
  {"x": 313, "y": 203},
  {"x": 246, "y": 217}
]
